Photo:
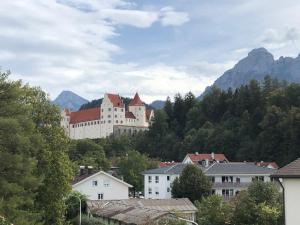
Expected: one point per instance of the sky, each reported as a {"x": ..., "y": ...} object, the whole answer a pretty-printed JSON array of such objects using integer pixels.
[{"x": 155, "y": 47}]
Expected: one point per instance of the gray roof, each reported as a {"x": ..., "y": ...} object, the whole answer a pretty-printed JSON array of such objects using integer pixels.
[
  {"x": 139, "y": 211},
  {"x": 174, "y": 169},
  {"x": 237, "y": 168},
  {"x": 292, "y": 170}
]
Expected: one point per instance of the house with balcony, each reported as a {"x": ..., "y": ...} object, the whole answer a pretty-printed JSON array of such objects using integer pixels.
[
  {"x": 228, "y": 179},
  {"x": 204, "y": 159}
]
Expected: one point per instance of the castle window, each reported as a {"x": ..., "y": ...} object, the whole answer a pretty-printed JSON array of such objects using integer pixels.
[
  {"x": 116, "y": 109},
  {"x": 109, "y": 121},
  {"x": 140, "y": 108},
  {"x": 121, "y": 121},
  {"x": 108, "y": 116},
  {"x": 84, "y": 124},
  {"x": 117, "y": 121},
  {"x": 73, "y": 126},
  {"x": 88, "y": 123},
  {"x": 109, "y": 109},
  {"x": 122, "y": 110},
  {"x": 116, "y": 116},
  {"x": 98, "y": 121}
]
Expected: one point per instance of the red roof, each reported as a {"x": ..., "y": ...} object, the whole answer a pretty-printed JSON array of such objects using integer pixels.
[
  {"x": 129, "y": 115},
  {"x": 136, "y": 101},
  {"x": 213, "y": 156},
  {"x": 164, "y": 164},
  {"x": 148, "y": 114},
  {"x": 267, "y": 164},
  {"x": 115, "y": 100},
  {"x": 67, "y": 111},
  {"x": 85, "y": 115}
]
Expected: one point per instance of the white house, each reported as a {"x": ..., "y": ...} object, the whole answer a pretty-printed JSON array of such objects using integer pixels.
[
  {"x": 228, "y": 179},
  {"x": 157, "y": 182},
  {"x": 289, "y": 177},
  {"x": 100, "y": 186},
  {"x": 111, "y": 118}
]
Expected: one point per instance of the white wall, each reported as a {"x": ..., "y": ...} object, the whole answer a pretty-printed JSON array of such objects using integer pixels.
[
  {"x": 292, "y": 201},
  {"x": 116, "y": 190},
  {"x": 162, "y": 186}
]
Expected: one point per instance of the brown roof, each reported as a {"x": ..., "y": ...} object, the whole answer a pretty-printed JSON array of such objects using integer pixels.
[
  {"x": 199, "y": 157},
  {"x": 79, "y": 178},
  {"x": 291, "y": 170},
  {"x": 148, "y": 114},
  {"x": 164, "y": 164},
  {"x": 136, "y": 101},
  {"x": 267, "y": 164},
  {"x": 129, "y": 115},
  {"x": 115, "y": 100},
  {"x": 125, "y": 213},
  {"x": 85, "y": 115}
]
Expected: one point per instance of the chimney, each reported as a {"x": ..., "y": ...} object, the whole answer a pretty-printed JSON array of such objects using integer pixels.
[
  {"x": 213, "y": 155},
  {"x": 82, "y": 168},
  {"x": 89, "y": 170}
]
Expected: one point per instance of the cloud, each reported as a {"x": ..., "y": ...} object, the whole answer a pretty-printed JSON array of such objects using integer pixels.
[
  {"x": 169, "y": 17},
  {"x": 279, "y": 38}
]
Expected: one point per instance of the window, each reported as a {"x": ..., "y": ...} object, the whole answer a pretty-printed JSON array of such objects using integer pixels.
[
  {"x": 227, "y": 192},
  {"x": 109, "y": 121},
  {"x": 258, "y": 178},
  {"x": 122, "y": 110},
  {"x": 109, "y": 109},
  {"x": 100, "y": 196},
  {"x": 238, "y": 180},
  {"x": 73, "y": 126},
  {"x": 212, "y": 179},
  {"x": 106, "y": 183},
  {"x": 227, "y": 179},
  {"x": 121, "y": 121},
  {"x": 88, "y": 123},
  {"x": 116, "y": 116},
  {"x": 101, "y": 110},
  {"x": 150, "y": 191},
  {"x": 140, "y": 108},
  {"x": 98, "y": 122},
  {"x": 149, "y": 179},
  {"x": 168, "y": 189},
  {"x": 95, "y": 183},
  {"x": 157, "y": 193},
  {"x": 213, "y": 191},
  {"x": 116, "y": 109},
  {"x": 157, "y": 179},
  {"x": 109, "y": 116},
  {"x": 85, "y": 124},
  {"x": 168, "y": 178},
  {"x": 117, "y": 121}
]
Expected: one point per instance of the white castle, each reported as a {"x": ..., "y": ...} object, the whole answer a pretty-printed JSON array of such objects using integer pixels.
[{"x": 111, "y": 118}]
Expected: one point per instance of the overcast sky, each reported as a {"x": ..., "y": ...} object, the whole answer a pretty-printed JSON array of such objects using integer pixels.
[{"x": 155, "y": 47}]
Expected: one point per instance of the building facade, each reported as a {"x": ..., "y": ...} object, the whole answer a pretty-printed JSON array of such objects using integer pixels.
[
  {"x": 111, "y": 118},
  {"x": 101, "y": 186},
  {"x": 289, "y": 178},
  {"x": 228, "y": 179}
]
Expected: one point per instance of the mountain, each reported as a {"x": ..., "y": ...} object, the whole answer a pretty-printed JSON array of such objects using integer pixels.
[
  {"x": 70, "y": 100},
  {"x": 258, "y": 64},
  {"x": 157, "y": 104}
]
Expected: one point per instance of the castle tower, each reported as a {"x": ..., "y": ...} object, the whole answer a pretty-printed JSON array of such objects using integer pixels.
[
  {"x": 112, "y": 113},
  {"x": 138, "y": 108}
]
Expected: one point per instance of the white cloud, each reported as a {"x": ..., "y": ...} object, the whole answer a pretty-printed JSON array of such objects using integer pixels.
[
  {"x": 278, "y": 38},
  {"x": 169, "y": 17}
]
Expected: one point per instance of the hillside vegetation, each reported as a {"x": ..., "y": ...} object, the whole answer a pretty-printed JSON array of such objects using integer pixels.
[{"x": 254, "y": 122}]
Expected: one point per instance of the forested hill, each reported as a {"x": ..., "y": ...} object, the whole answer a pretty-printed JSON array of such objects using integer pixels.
[
  {"x": 97, "y": 103},
  {"x": 254, "y": 122}
]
